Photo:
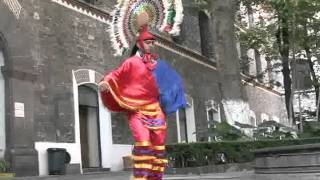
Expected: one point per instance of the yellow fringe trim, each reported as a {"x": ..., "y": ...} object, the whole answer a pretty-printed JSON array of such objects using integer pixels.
[
  {"x": 140, "y": 178},
  {"x": 157, "y": 128},
  {"x": 149, "y": 109},
  {"x": 143, "y": 158},
  {"x": 158, "y": 168},
  {"x": 143, "y": 143},
  {"x": 159, "y": 147},
  {"x": 143, "y": 165},
  {"x": 160, "y": 161}
]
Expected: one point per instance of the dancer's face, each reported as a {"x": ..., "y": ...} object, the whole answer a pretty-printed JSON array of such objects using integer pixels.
[{"x": 148, "y": 46}]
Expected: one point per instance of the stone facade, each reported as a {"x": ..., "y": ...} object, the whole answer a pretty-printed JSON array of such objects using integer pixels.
[
  {"x": 266, "y": 105},
  {"x": 47, "y": 42}
]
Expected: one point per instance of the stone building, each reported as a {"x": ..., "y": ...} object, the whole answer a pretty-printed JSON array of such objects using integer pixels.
[{"x": 53, "y": 53}]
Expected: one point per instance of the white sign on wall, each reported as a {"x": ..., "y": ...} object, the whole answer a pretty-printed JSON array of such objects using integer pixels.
[{"x": 19, "y": 109}]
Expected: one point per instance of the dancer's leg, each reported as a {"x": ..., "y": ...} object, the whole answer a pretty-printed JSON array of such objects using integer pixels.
[
  {"x": 158, "y": 138},
  {"x": 142, "y": 152}
]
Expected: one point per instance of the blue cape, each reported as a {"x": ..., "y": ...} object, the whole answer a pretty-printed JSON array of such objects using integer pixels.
[{"x": 172, "y": 94}]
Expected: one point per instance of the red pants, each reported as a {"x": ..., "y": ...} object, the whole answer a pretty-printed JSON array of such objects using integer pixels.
[{"x": 149, "y": 150}]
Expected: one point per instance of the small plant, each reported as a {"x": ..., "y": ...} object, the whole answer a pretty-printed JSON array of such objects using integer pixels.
[
  {"x": 4, "y": 166},
  {"x": 223, "y": 131}
]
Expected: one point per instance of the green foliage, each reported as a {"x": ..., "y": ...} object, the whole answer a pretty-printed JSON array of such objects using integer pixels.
[
  {"x": 310, "y": 129},
  {"x": 299, "y": 16},
  {"x": 203, "y": 5},
  {"x": 202, "y": 154},
  {"x": 273, "y": 130},
  {"x": 292, "y": 29},
  {"x": 4, "y": 166},
  {"x": 225, "y": 131}
]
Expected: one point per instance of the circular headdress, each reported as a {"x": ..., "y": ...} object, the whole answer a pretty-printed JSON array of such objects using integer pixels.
[{"x": 130, "y": 15}]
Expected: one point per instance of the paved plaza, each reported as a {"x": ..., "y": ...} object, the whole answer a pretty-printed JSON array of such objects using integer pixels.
[{"x": 245, "y": 175}]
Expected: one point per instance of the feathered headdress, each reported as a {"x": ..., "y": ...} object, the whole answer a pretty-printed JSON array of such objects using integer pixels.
[{"x": 130, "y": 16}]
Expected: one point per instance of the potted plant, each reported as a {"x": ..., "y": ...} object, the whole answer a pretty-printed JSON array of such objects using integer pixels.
[{"x": 5, "y": 169}]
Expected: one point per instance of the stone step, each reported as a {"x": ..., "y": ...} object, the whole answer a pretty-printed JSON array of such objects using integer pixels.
[{"x": 95, "y": 170}]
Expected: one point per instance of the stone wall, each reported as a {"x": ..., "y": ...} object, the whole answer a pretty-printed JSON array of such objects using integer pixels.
[
  {"x": 263, "y": 101},
  {"x": 47, "y": 42},
  {"x": 190, "y": 29},
  {"x": 44, "y": 45}
]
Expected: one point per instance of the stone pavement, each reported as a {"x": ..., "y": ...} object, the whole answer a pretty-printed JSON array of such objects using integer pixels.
[{"x": 245, "y": 175}]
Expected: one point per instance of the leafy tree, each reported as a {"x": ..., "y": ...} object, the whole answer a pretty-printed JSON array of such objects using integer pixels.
[
  {"x": 292, "y": 29},
  {"x": 307, "y": 36},
  {"x": 272, "y": 38}
]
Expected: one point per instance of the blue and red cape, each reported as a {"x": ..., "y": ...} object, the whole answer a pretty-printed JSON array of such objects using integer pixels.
[{"x": 134, "y": 87}]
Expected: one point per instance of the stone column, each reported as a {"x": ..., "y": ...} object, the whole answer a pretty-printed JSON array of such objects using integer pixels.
[
  {"x": 15, "y": 42},
  {"x": 20, "y": 123}
]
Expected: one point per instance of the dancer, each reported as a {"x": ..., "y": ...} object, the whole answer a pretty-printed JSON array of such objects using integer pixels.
[{"x": 137, "y": 87}]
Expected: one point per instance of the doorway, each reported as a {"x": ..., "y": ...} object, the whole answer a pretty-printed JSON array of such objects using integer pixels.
[{"x": 89, "y": 127}]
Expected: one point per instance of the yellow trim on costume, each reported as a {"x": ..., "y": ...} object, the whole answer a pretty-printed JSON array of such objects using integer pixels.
[
  {"x": 159, "y": 147},
  {"x": 125, "y": 98},
  {"x": 143, "y": 158},
  {"x": 149, "y": 113},
  {"x": 114, "y": 82},
  {"x": 158, "y": 168},
  {"x": 134, "y": 100},
  {"x": 152, "y": 109},
  {"x": 111, "y": 90},
  {"x": 157, "y": 128},
  {"x": 139, "y": 178},
  {"x": 143, "y": 165},
  {"x": 160, "y": 161},
  {"x": 143, "y": 178},
  {"x": 143, "y": 143}
]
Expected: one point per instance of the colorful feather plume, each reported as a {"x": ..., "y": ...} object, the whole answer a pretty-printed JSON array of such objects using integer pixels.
[{"x": 130, "y": 15}]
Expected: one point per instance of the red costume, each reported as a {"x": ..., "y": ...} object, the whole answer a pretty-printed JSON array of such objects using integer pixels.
[{"x": 133, "y": 89}]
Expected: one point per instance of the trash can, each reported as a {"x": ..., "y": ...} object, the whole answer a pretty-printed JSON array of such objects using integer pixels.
[{"x": 57, "y": 159}]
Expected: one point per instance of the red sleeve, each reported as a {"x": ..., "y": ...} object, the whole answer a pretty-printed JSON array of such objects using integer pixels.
[{"x": 116, "y": 74}]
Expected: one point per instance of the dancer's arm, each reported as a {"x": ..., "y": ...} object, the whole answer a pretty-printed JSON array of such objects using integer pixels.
[
  {"x": 115, "y": 74},
  {"x": 103, "y": 86}
]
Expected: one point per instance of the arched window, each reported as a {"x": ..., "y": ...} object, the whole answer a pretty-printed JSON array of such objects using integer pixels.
[
  {"x": 207, "y": 41},
  {"x": 264, "y": 117},
  {"x": 186, "y": 125},
  {"x": 213, "y": 114},
  {"x": 182, "y": 125},
  {"x": 253, "y": 119},
  {"x": 2, "y": 108}
]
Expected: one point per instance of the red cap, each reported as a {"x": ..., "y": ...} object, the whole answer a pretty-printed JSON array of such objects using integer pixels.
[{"x": 145, "y": 34}]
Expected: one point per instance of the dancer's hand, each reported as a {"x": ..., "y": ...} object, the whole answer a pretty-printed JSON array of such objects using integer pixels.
[{"x": 103, "y": 86}]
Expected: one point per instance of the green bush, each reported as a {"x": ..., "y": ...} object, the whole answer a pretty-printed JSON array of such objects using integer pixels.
[
  {"x": 310, "y": 129},
  {"x": 205, "y": 153},
  {"x": 4, "y": 166},
  {"x": 224, "y": 131},
  {"x": 268, "y": 130}
]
